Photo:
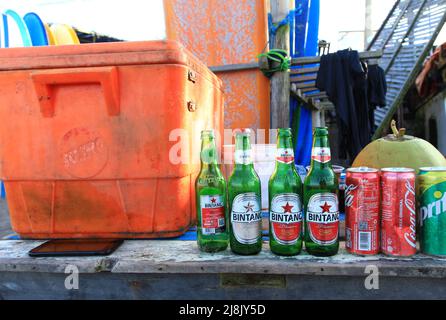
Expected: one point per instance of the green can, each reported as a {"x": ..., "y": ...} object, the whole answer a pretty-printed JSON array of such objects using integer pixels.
[{"x": 432, "y": 210}]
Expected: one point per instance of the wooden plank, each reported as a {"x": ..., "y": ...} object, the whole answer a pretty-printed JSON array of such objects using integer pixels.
[
  {"x": 311, "y": 84},
  {"x": 310, "y": 89},
  {"x": 313, "y": 101},
  {"x": 303, "y": 78},
  {"x": 183, "y": 257},
  {"x": 110, "y": 286},
  {"x": 317, "y": 95},
  {"x": 328, "y": 106},
  {"x": 300, "y": 97},
  {"x": 314, "y": 60},
  {"x": 316, "y": 119},
  {"x": 304, "y": 70},
  {"x": 280, "y": 81},
  {"x": 163, "y": 269}
]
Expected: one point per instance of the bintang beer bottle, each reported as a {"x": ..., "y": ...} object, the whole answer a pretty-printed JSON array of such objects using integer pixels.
[
  {"x": 285, "y": 200},
  {"x": 244, "y": 200},
  {"x": 362, "y": 204},
  {"x": 210, "y": 191},
  {"x": 321, "y": 202}
]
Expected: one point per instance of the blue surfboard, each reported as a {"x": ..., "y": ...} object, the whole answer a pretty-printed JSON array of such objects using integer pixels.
[
  {"x": 3, "y": 30},
  {"x": 16, "y": 31},
  {"x": 36, "y": 29}
]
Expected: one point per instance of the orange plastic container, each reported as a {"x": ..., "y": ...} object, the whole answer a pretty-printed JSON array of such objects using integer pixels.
[{"x": 89, "y": 138}]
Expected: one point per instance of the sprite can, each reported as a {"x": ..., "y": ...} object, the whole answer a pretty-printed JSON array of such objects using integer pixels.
[{"x": 432, "y": 210}]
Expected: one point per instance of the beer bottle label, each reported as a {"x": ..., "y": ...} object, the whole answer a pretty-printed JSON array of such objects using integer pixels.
[
  {"x": 286, "y": 218},
  {"x": 323, "y": 218},
  {"x": 322, "y": 155},
  {"x": 212, "y": 214},
  {"x": 285, "y": 156},
  {"x": 243, "y": 157},
  {"x": 246, "y": 218}
]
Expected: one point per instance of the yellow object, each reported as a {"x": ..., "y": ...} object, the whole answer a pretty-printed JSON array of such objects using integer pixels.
[
  {"x": 64, "y": 34},
  {"x": 49, "y": 35},
  {"x": 399, "y": 150}
]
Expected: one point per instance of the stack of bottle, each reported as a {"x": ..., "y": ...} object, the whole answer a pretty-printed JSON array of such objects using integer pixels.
[
  {"x": 380, "y": 205},
  {"x": 231, "y": 213}
]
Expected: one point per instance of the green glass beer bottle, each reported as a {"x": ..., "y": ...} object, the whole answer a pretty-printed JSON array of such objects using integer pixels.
[
  {"x": 210, "y": 189},
  {"x": 244, "y": 192},
  {"x": 285, "y": 200},
  {"x": 321, "y": 202}
]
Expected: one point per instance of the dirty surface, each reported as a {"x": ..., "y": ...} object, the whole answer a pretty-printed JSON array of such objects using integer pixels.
[
  {"x": 183, "y": 257},
  {"x": 224, "y": 33}
]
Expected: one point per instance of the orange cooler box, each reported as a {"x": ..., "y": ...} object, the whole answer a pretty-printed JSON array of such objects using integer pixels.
[{"x": 102, "y": 140}]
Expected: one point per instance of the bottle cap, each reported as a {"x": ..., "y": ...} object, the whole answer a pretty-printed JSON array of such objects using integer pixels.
[
  {"x": 244, "y": 133},
  {"x": 321, "y": 131},
  {"x": 284, "y": 132},
  {"x": 207, "y": 133}
]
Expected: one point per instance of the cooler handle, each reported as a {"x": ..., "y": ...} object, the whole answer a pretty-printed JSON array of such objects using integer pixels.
[{"x": 107, "y": 77}]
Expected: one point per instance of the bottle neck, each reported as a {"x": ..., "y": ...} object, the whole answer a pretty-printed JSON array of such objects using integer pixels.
[
  {"x": 321, "y": 153},
  {"x": 284, "y": 154},
  {"x": 243, "y": 157},
  {"x": 209, "y": 156}
]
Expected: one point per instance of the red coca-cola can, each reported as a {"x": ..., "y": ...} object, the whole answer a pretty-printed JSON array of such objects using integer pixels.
[
  {"x": 362, "y": 203},
  {"x": 398, "y": 221}
]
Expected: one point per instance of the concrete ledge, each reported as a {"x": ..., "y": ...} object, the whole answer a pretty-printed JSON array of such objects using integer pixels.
[
  {"x": 177, "y": 270},
  {"x": 152, "y": 256}
]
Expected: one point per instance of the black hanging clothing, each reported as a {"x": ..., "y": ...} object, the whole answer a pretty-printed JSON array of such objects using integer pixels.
[
  {"x": 377, "y": 90},
  {"x": 360, "y": 94},
  {"x": 344, "y": 78}
]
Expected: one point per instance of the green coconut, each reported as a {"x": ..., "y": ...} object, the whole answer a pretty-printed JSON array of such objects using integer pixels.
[{"x": 399, "y": 150}]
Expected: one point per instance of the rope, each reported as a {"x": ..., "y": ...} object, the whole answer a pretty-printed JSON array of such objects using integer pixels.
[
  {"x": 274, "y": 27},
  {"x": 278, "y": 61}
]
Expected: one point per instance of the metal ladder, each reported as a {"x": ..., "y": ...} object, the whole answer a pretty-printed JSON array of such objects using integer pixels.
[{"x": 405, "y": 38}]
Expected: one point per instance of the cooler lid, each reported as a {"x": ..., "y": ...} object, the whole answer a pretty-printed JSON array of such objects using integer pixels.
[{"x": 103, "y": 54}]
